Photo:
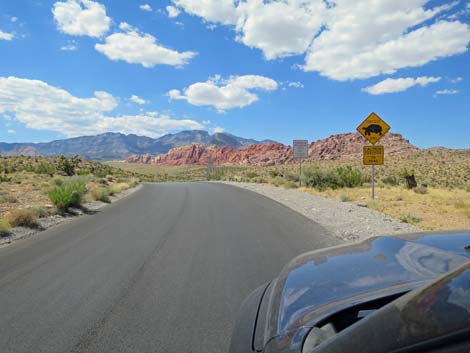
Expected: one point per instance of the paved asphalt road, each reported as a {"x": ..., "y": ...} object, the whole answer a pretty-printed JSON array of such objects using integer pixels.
[{"x": 163, "y": 270}]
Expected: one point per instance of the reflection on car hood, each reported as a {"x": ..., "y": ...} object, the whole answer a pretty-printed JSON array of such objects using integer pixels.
[{"x": 319, "y": 279}]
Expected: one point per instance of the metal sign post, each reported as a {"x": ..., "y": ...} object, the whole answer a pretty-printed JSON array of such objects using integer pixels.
[
  {"x": 300, "y": 152},
  {"x": 373, "y": 129},
  {"x": 373, "y": 155}
]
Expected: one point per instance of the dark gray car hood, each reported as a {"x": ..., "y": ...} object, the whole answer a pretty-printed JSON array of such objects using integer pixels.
[{"x": 316, "y": 282}]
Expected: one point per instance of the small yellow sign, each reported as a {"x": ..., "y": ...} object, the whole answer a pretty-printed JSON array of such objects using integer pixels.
[
  {"x": 373, "y": 128},
  {"x": 373, "y": 155}
]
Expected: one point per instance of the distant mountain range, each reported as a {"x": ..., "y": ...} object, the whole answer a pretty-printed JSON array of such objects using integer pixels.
[{"x": 110, "y": 146}]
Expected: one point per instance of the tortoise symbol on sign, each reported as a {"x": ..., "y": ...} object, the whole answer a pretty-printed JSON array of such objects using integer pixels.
[{"x": 373, "y": 128}]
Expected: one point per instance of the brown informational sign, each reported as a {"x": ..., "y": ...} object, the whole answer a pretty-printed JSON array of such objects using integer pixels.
[
  {"x": 373, "y": 128},
  {"x": 373, "y": 155}
]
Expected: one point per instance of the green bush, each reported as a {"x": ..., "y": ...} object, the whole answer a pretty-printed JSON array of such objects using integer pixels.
[
  {"x": 274, "y": 173},
  {"x": 45, "y": 168},
  {"x": 391, "y": 180},
  {"x": 5, "y": 228},
  {"x": 23, "y": 218},
  {"x": 334, "y": 179},
  {"x": 410, "y": 218},
  {"x": 70, "y": 194},
  {"x": 251, "y": 175},
  {"x": 349, "y": 177},
  {"x": 68, "y": 166}
]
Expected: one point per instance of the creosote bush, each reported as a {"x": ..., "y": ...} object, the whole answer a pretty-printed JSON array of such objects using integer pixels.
[{"x": 337, "y": 178}]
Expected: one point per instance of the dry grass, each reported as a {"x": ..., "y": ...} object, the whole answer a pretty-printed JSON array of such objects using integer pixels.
[
  {"x": 438, "y": 209},
  {"x": 26, "y": 182},
  {"x": 23, "y": 218}
]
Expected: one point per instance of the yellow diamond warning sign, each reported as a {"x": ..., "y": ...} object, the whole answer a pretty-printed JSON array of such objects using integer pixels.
[
  {"x": 373, "y": 128},
  {"x": 373, "y": 155}
]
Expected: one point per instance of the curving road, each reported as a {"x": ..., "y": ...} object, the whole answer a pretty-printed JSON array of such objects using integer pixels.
[{"x": 163, "y": 270}]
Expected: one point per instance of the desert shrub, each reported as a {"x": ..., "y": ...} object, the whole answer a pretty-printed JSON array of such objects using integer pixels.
[
  {"x": 274, "y": 173},
  {"x": 70, "y": 194},
  {"x": 251, "y": 175},
  {"x": 68, "y": 165},
  {"x": 23, "y": 218},
  {"x": 4, "y": 178},
  {"x": 410, "y": 218},
  {"x": 290, "y": 184},
  {"x": 467, "y": 188},
  {"x": 57, "y": 181},
  {"x": 349, "y": 177},
  {"x": 391, "y": 180},
  {"x": 7, "y": 198},
  {"x": 218, "y": 174},
  {"x": 334, "y": 179},
  {"x": 345, "y": 198},
  {"x": 133, "y": 182},
  {"x": 421, "y": 190},
  {"x": 102, "y": 194},
  {"x": 259, "y": 180},
  {"x": 117, "y": 188},
  {"x": 45, "y": 168},
  {"x": 277, "y": 181},
  {"x": 5, "y": 228},
  {"x": 318, "y": 178},
  {"x": 41, "y": 212}
]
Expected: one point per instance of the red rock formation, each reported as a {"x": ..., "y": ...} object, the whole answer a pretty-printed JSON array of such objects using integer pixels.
[
  {"x": 348, "y": 146},
  {"x": 341, "y": 146}
]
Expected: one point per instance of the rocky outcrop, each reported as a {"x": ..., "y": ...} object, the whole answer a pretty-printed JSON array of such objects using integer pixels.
[
  {"x": 348, "y": 146},
  {"x": 336, "y": 147},
  {"x": 198, "y": 154}
]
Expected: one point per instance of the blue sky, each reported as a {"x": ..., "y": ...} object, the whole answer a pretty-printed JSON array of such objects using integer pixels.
[{"x": 281, "y": 69}]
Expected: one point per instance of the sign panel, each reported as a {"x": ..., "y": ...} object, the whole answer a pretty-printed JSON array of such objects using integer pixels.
[
  {"x": 300, "y": 148},
  {"x": 210, "y": 165},
  {"x": 373, "y": 155},
  {"x": 373, "y": 128}
]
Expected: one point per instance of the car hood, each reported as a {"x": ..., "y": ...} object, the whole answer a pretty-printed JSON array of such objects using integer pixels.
[{"x": 318, "y": 282}]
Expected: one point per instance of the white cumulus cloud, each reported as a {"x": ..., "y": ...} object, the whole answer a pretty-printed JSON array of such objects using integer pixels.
[
  {"x": 370, "y": 59},
  {"x": 236, "y": 92},
  {"x": 44, "y": 107},
  {"x": 279, "y": 28},
  {"x": 6, "y": 35},
  {"x": 135, "y": 47},
  {"x": 172, "y": 11},
  {"x": 81, "y": 17},
  {"x": 145, "y": 7},
  {"x": 394, "y": 85},
  {"x": 341, "y": 39},
  {"x": 222, "y": 11},
  {"x": 138, "y": 100}
]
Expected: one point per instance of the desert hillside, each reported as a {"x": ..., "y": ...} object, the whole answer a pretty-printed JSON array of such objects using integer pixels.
[{"x": 336, "y": 147}]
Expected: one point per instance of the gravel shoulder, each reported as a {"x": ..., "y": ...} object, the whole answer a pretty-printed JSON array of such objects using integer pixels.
[
  {"x": 19, "y": 233},
  {"x": 345, "y": 220}
]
